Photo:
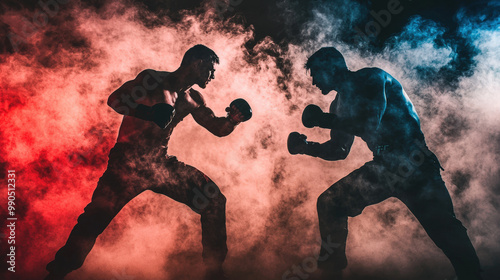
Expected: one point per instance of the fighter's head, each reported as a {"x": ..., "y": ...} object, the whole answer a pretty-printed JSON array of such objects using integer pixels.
[
  {"x": 326, "y": 66},
  {"x": 199, "y": 61}
]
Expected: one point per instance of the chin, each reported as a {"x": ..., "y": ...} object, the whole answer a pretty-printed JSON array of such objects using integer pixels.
[{"x": 202, "y": 85}]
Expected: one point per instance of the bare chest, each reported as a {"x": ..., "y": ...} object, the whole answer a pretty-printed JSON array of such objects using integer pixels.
[
  {"x": 339, "y": 106},
  {"x": 346, "y": 104},
  {"x": 183, "y": 102}
]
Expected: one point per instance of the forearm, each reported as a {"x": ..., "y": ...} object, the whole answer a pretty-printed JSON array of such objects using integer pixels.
[
  {"x": 332, "y": 121},
  {"x": 220, "y": 126},
  {"x": 313, "y": 116},
  {"x": 239, "y": 111},
  {"x": 325, "y": 151},
  {"x": 354, "y": 126}
]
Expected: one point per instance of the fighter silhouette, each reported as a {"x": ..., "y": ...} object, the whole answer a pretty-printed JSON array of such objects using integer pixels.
[
  {"x": 153, "y": 104},
  {"x": 371, "y": 104}
]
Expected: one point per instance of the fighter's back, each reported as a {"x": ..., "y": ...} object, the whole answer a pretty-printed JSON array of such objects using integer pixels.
[{"x": 399, "y": 124}]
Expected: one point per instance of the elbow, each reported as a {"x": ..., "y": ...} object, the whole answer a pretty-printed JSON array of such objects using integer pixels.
[
  {"x": 114, "y": 98},
  {"x": 344, "y": 152},
  {"x": 223, "y": 131},
  {"x": 111, "y": 101},
  {"x": 343, "y": 155},
  {"x": 336, "y": 155}
]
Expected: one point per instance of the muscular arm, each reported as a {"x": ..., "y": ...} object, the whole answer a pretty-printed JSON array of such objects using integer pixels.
[
  {"x": 364, "y": 107},
  {"x": 337, "y": 148},
  {"x": 126, "y": 98},
  {"x": 204, "y": 116},
  {"x": 218, "y": 126}
]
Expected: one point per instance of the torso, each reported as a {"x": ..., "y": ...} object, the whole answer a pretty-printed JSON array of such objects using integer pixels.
[
  {"x": 399, "y": 124},
  {"x": 148, "y": 134}
]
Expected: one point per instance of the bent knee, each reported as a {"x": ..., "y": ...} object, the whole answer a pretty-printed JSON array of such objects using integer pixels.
[
  {"x": 323, "y": 201},
  {"x": 213, "y": 193},
  {"x": 219, "y": 200},
  {"x": 331, "y": 203},
  {"x": 223, "y": 198},
  {"x": 93, "y": 225},
  {"x": 209, "y": 197}
]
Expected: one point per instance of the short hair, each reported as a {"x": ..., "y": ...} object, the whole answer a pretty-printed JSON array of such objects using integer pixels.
[
  {"x": 326, "y": 58},
  {"x": 199, "y": 52}
]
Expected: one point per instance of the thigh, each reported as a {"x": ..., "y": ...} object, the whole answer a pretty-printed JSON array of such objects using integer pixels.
[
  {"x": 187, "y": 185},
  {"x": 362, "y": 187},
  {"x": 428, "y": 199},
  {"x": 113, "y": 191},
  {"x": 121, "y": 182}
]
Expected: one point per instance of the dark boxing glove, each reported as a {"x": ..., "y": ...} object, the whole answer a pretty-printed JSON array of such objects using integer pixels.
[
  {"x": 239, "y": 111},
  {"x": 314, "y": 116},
  {"x": 161, "y": 113},
  {"x": 297, "y": 143}
]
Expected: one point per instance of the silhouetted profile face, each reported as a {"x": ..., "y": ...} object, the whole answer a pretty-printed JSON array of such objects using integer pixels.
[
  {"x": 322, "y": 79},
  {"x": 200, "y": 64},
  {"x": 205, "y": 72},
  {"x": 326, "y": 67}
]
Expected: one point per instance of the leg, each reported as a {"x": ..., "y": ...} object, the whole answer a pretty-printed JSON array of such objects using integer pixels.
[
  {"x": 431, "y": 204},
  {"x": 347, "y": 197},
  {"x": 111, "y": 194},
  {"x": 190, "y": 186}
]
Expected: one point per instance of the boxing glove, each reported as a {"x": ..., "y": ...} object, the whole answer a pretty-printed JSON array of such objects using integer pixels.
[
  {"x": 239, "y": 111},
  {"x": 297, "y": 143},
  {"x": 161, "y": 113},
  {"x": 314, "y": 116}
]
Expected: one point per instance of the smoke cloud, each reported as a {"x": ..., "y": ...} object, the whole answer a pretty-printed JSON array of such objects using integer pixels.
[{"x": 59, "y": 69}]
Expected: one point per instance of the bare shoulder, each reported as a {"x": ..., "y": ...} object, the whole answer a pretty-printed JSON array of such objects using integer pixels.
[
  {"x": 371, "y": 75},
  {"x": 379, "y": 77},
  {"x": 197, "y": 97},
  {"x": 371, "y": 82},
  {"x": 150, "y": 76}
]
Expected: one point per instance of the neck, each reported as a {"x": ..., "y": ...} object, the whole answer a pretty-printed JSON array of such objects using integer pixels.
[
  {"x": 341, "y": 80},
  {"x": 179, "y": 81}
]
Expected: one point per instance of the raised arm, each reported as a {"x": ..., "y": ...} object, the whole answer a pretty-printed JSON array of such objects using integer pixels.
[
  {"x": 218, "y": 126},
  {"x": 366, "y": 106},
  {"x": 337, "y": 148},
  {"x": 129, "y": 98},
  {"x": 238, "y": 111}
]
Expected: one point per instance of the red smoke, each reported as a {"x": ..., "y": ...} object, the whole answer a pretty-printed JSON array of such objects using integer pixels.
[{"x": 57, "y": 131}]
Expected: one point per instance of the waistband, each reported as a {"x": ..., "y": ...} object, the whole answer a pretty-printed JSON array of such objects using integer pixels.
[
  {"x": 134, "y": 146},
  {"x": 126, "y": 147},
  {"x": 390, "y": 153}
]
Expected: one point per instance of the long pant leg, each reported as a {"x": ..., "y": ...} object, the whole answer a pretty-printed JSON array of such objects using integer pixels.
[
  {"x": 106, "y": 202},
  {"x": 431, "y": 204},
  {"x": 116, "y": 187},
  {"x": 347, "y": 197},
  {"x": 190, "y": 186}
]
